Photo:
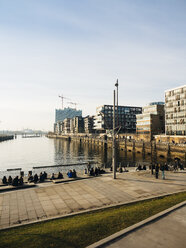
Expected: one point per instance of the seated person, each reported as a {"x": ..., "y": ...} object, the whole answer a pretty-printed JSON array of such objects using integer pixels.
[
  {"x": 30, "y": 178},
  {"x": 125, "y": 170},
  {"x": 15, "y": 181},
  {"x": 45, "y": 175},
  {"x": 101, "y": 171},
  {"x": 21, "y": 181},
  {"x": 85, "y": 171},
  {"x": 120, "y": 170},
  {"x": 69, "y": 174},
  {"x": 52, "y": 177},
  {"x": 9, "y": 180},
  {"x": 4, "y": 180},
  {"x": 41, "y": 177},
  {"x": 139, "y": 168},
  {"x": 60, "y": 175},
  {"x": 96, "y": 171},
  {"x": 144, "y": 167},
  {"x": 92, "y": 172},
  {"x": 35, "y": 178},
  {"x": 74, "y": 175},
  {"x": 88, "y": 166}
]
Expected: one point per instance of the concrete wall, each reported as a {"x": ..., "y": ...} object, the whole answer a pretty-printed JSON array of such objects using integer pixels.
[
  {"x": 171, "y": 139},
  {"x": 145, "y": 148}
]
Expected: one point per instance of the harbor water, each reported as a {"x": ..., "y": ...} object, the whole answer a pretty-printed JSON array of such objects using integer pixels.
[{"x": 26, "y": 153}]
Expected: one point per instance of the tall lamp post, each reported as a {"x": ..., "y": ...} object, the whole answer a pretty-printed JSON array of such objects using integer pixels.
[
  {"x": 113, "y": 141},
  {"x": 117, "y": 101}
]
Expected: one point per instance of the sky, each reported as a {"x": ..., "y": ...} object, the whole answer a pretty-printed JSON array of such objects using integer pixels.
[{"x": 79, "y": 49}]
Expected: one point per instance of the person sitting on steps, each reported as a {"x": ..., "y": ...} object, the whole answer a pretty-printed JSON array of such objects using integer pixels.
[
  {"x": 74, "y": 175},
  {"x": 4, "y": 180},
  {"x": 60, "y": 175},
  {"x": 10, "y": 180},
  {"x": 69, "y": 174},
  {"x": 35, "y": 178}
]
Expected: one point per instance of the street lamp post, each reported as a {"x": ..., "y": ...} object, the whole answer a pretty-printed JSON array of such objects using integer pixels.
[
  {"x": 113, "y": 140},
  {"x": 117, "y": 101}
]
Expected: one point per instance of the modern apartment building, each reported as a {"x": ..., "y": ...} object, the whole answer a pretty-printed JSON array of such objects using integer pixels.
[
  {"x": 58, "y": 127},
  {"x": 89, "y": 124},
  {"x": 175, "y": 111},
  {"x": 78, "y": 124},
  {"x": 125, "y": 118},
  {"x": 66, "y": 126},
  {"x": 72, "y": 127},
  {"x": 152, "y": 119},
  {"x": 61, "y": 115}
]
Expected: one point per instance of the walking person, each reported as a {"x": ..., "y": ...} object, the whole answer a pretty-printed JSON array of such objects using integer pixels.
[
  {"x": 162, "y": 171},
  {"x": 157, "y": 170}
]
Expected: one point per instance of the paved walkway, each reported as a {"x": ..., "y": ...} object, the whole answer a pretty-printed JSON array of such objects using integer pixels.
[
  {"x": 167, "y": 232},
  {"x": 46, "y": 201}
]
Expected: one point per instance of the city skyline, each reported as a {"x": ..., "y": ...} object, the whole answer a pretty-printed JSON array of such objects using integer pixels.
[{"x": 79, "y": 49}]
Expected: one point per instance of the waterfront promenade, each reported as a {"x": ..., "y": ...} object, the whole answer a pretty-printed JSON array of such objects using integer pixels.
[
  {"x": 49, "y": 200},
  {"x": 168, "y": 231}
]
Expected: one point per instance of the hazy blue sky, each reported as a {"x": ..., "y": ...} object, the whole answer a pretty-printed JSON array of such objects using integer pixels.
[{"x": 79, "y": 48}]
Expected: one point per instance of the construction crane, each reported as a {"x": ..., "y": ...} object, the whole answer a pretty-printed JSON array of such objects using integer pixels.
[
  {"x": 62, "y": 98},
  {"x": 73, "y": 103}
]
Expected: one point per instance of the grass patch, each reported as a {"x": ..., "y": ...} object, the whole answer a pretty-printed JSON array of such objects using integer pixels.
[{"x": 82, "y": 230}]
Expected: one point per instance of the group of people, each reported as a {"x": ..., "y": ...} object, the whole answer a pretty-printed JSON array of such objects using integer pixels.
[
  {"x": 59, "y": 176},
  {"x": 159, "y": 167},
  {"x": 165, "y": 167},
  {"x": 16, "y": 181},
  {"x": 177, "y": 165},
  {"x": 41, "y": 178},
  {"x": 122, "y": 169},
  {"x": 72, "y": 173},
  {"x": 93, "y": 171},
  {"x": 140, "y": 167},
  {"x": 36, "y": 178}
]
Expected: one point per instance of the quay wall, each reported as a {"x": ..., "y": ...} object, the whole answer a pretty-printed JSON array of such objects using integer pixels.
[
  {"x": 6, "y": 137},
  {"x": 166, "y": 151}
]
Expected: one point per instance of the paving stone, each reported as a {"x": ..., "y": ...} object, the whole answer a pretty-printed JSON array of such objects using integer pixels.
[
  {"x": 64, "y": 211},
  {"x": 53, "y": 200}
]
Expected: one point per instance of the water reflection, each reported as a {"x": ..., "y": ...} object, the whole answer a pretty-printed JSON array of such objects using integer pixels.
[{"x": 27, "y": 153}]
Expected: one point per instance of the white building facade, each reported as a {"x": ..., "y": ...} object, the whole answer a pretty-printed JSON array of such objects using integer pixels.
[{"x": 175, "y": 111}]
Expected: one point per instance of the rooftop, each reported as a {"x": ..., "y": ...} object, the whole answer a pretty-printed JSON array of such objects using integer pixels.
[{"x": 176, "y": 88}]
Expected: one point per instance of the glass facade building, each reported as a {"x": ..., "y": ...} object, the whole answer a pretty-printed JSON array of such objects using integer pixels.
[
  {"x": 62, "y": 114},
  {"x": 125, "y": 118}
]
